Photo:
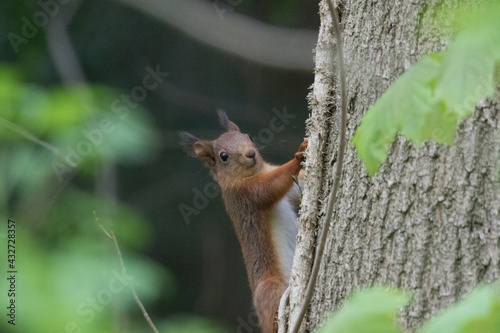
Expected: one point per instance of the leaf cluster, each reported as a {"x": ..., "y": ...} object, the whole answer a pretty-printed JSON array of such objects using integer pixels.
[{"x": 375, "y": 310}]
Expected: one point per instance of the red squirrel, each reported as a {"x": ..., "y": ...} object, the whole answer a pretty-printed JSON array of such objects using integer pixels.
[{"x": 262, "y": 202}]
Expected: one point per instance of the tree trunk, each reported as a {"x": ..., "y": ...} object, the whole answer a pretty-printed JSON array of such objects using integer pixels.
[{"x": 429, "y": 220}]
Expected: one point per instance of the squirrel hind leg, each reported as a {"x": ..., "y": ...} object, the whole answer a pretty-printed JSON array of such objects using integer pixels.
[{"x": 266, "y": 301}]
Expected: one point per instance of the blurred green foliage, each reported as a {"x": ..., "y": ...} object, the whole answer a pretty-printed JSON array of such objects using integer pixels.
[
  {"x": 477, "y": 312},
  {"x": 66, "y": 117},
  {"x": 375, "y": 310},
  {"x": 69, "y": 276},
  {"x": 368, "y": 311},
  {"x": 190, "y": 324}
]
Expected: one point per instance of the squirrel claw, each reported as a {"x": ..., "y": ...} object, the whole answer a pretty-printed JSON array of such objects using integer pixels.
[
  {"x": 300, "y": 154},
  {"x": 303, "y": 145}
]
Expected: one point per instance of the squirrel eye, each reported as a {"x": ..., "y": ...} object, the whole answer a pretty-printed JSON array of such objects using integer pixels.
[
  {"x": 224, "y": 156},
  {"x": 251, "y": 138}
]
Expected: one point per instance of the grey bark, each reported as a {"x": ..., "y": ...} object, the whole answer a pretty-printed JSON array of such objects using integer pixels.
[{"x": 429, "y": 220}]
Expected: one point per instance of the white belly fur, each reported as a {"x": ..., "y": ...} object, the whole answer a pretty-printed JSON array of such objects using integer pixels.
[{"x": 284, "y": 228}]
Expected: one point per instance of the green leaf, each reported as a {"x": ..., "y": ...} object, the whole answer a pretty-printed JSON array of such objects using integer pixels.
[
  {"x": 490, "y": 323},
  {"x": 497, "y": 76},
  {"x": 477, "y": 312},
  {"x": 407, "y": 106},
  {"x": 440, "y": 125},
  {"x": 428, "y": 101},
  {"x": 468, "y": 67},
  {"x": 372, "y": 311}
]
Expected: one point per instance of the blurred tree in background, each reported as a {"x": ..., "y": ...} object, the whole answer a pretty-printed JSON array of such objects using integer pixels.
[{"x": 91, "y": 104}]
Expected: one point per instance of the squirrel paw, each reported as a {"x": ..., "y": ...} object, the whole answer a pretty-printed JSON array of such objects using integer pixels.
[{"x": 300, "y": 154}]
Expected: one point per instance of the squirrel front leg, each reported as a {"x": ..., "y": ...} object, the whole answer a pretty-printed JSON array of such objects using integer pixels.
[{"x": 273, "y": 185}]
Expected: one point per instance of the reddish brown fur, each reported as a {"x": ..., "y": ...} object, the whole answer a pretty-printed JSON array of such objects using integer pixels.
[{"x": 250, "y": 193}]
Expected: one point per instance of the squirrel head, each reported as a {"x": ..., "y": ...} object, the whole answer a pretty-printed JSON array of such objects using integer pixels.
[{"x": 231, "y": 156}]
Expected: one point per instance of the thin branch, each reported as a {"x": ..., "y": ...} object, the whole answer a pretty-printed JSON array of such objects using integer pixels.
[
  {"x": 111, "y": 235},
  {"x": 70, "y": 11},
  {"x": 221, "y": 27},
  {"x": 338, "y": 172},
  {"x": 63, "y": 54},
  {"x": 24, "y": 133}
]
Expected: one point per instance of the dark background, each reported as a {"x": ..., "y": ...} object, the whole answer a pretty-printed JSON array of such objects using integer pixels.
[{"x": 113, "y": 44}]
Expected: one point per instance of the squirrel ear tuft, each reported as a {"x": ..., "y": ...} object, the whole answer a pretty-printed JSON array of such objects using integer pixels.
[{"x": 224, "y": 120}]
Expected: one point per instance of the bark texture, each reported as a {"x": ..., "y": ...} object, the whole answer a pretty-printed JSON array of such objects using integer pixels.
[{"x": 429, "y": 220}]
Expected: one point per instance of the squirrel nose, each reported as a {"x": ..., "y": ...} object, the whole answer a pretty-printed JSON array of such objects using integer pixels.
[{"x": 250, "y": 153}]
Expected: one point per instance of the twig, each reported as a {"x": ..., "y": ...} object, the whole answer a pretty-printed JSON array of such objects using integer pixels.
[
  {"x": 338, "y": 172},
  {"x": 63, "y": 54},
  {"x": 21, "y": 131},
  {"x": 61, "y": 48},
  {"x": 112, "y": 236}
]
